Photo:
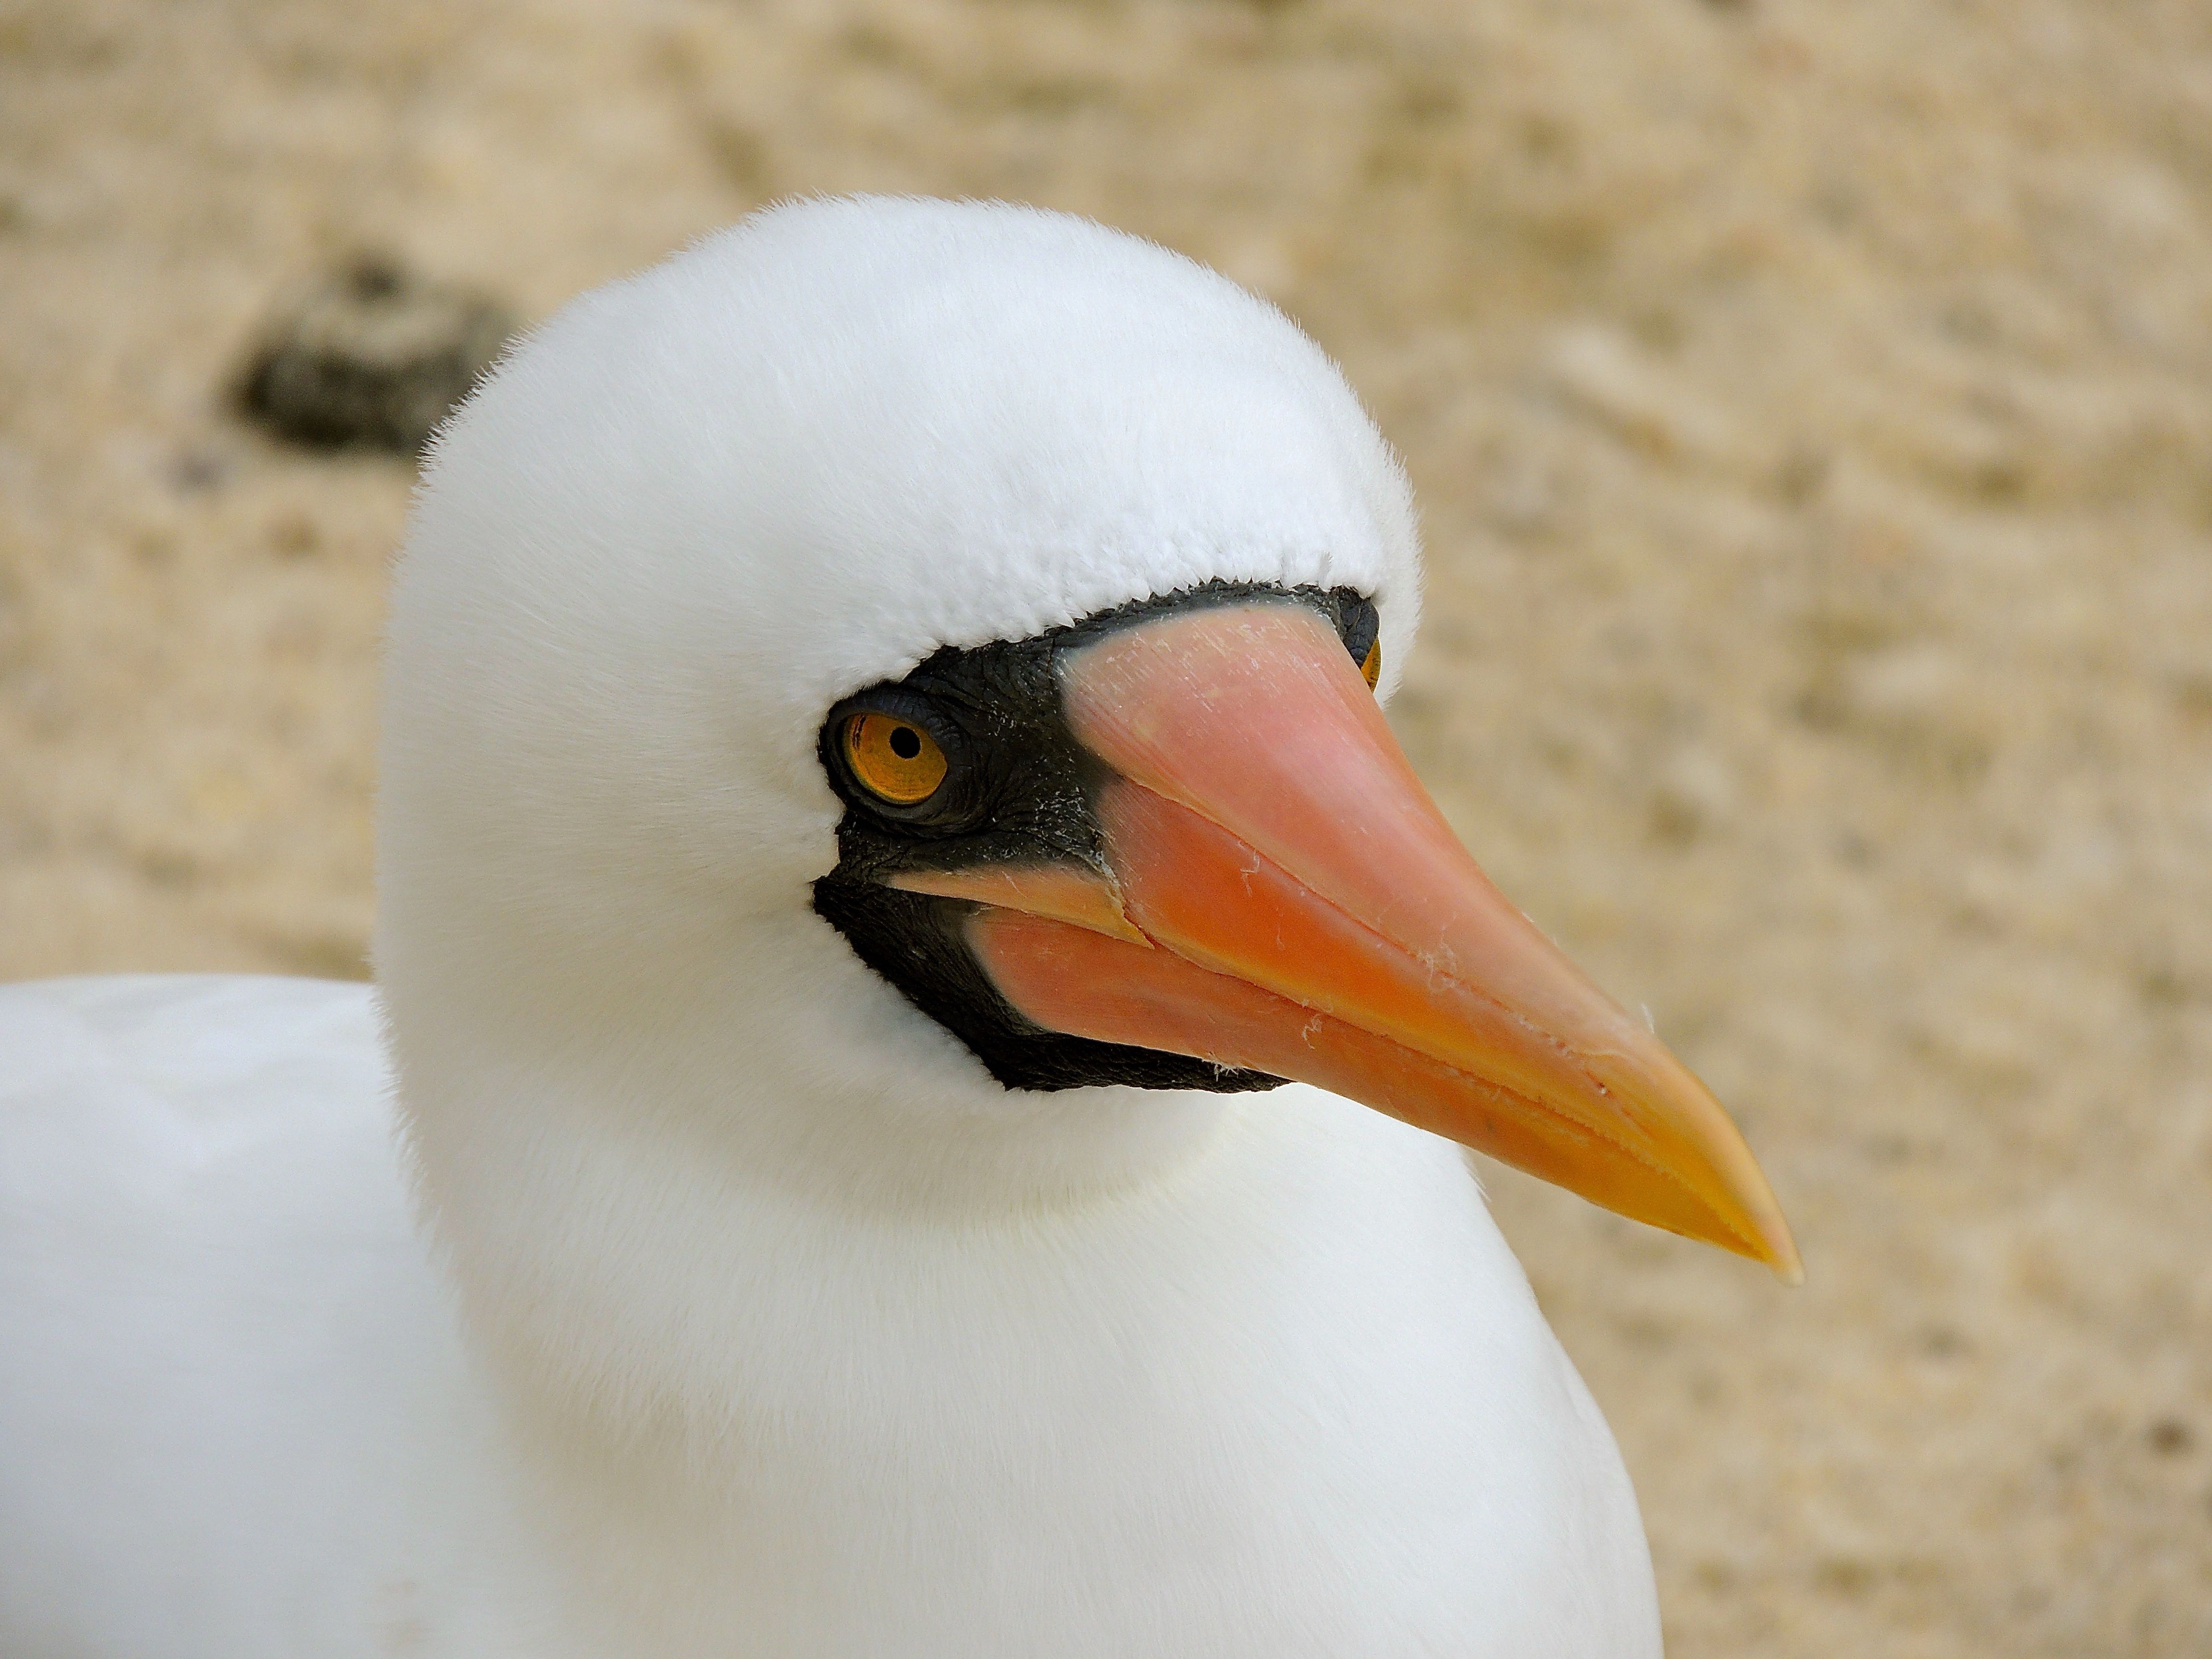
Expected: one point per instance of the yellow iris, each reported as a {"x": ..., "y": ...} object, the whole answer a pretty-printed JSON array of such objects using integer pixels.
[{"x": 893, "y": 759}]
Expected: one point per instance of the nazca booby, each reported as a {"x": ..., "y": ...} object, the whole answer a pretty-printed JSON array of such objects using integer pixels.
[{"x": 880, "y": 777}]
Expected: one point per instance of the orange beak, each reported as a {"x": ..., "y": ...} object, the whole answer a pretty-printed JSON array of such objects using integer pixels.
[{"x": 1281, "y": 895}]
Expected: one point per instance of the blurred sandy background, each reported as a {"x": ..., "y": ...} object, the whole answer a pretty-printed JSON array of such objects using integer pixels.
[{"x": 1810, "y": 403}]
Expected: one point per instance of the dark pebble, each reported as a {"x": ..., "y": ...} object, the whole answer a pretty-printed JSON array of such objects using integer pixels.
[{"x": 372, "y": 357}]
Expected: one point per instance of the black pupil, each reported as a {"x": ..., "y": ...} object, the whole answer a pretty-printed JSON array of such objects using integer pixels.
[{"x": 906, "y": 742}]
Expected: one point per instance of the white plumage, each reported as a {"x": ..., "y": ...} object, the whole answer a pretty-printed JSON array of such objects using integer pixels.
[{"x": 788, "y": 1330}]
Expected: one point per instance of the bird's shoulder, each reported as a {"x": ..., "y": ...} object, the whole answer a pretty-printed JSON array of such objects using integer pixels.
[
  {"x": 200, "y": 1057},
  {"x": 144, "y": 1109},
  {"x": 213, "y": 1147},
  {"x": 234, "y": 1400}
]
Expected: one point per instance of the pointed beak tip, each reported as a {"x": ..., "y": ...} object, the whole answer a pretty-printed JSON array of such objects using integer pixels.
[
  {"x": 1783, "y": 1259},
  {"x": 1753, "y": 1216},
  {"x": 1762, "y": 1234}
]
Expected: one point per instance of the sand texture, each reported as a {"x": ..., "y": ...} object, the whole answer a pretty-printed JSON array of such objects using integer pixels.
[{"x": 1809, "y": 405}]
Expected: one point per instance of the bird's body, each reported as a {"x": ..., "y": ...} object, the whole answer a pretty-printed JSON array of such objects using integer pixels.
[
  {"x": 982, "y": 1437},
  {"x": 880, "y": 786}
]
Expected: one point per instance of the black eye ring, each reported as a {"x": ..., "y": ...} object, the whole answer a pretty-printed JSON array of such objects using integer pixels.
[
  {"x": 957, "y": 803},
  {"x": 1361, "y": 626}
]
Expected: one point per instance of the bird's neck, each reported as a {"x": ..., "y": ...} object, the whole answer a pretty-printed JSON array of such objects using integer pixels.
[
  {"x": 642, "y": 1203},
  {"x": 741, "y": 1403}
]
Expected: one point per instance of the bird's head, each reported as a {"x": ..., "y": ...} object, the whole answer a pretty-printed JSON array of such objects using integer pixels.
[{"x": 897, "y": 687}]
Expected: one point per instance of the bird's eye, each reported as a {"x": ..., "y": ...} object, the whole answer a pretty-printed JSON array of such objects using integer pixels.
[
  {"x": 894, "y": 760},
  {"x": 1370, "y": 670}
]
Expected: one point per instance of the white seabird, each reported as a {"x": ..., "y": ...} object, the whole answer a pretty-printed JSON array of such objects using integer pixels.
[{"x": 878, "y": 778}]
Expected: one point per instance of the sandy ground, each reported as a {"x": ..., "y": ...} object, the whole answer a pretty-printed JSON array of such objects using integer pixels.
[{"x": 1809, "y": 404}]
